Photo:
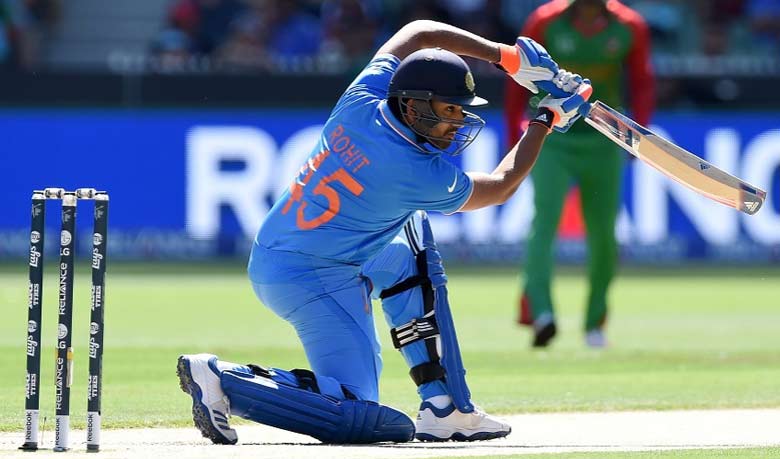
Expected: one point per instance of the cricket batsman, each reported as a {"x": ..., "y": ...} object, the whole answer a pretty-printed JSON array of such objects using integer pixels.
[
  {"x": 352, "y": 227},
  {"x": 610, "y": 43}
]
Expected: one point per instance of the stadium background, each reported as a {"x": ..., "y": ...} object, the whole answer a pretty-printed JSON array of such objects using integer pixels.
[
  {"x": 195, "y": 113},
  {"x": 194, "y": 141}
]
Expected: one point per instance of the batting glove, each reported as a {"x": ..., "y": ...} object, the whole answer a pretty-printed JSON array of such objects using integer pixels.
[
  {"x": 559, "y": 111},
  {"x": 528, "y": 63}
]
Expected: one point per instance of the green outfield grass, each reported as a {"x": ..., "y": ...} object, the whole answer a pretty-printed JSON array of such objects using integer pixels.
[{"x": 680, "y": 339}]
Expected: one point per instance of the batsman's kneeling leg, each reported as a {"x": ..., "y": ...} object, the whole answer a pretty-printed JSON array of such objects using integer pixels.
[{"x": 302, "y": 402}]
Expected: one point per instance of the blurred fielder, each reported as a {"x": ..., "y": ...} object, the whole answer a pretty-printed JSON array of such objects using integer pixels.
[
  {"x": 352, "y": 227},
  {"x": 610, "y": 43}
]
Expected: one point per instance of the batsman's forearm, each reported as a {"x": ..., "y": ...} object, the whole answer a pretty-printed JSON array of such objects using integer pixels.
[
  {"x": 436, "y": 34},
  {"x": 498, "y": 186},
  {"x": 517, "y": 164}
]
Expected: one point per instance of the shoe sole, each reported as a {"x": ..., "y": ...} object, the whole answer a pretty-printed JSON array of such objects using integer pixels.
[
  {"x": 458, "y": 436},
  {"x": 200, "y": 414}
]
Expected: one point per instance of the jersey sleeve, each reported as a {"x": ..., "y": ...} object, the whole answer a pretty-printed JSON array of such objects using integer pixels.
[
  {"x": 373, "y": 81},
  {"x": 441, "y": 187},
  {"x": 640, "y": 75},
  {"x": 639, "y": 65}
]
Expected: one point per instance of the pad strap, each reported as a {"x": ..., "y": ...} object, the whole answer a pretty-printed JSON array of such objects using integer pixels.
[
  {"x": 415, "y": 330},
  {"x": 404, "y": 285},
  {"x": 260, "y": 371},
  {"x": 427, "y": 372}
]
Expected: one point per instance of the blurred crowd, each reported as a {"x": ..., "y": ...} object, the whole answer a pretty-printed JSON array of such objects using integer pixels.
[
  {"x": 336, "y": 36},
  {"x": 340, "y": 35},
  {"x": 23, "y": 27},
  {"x": 712, "y": 27},
  {"x": 306, "y": 35}
]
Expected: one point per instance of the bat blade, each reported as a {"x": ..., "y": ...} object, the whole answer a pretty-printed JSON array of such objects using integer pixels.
[{"x": 675, "y": 162}]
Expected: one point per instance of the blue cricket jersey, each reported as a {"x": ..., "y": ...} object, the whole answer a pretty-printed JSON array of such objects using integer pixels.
[{"x": 363, "y": 180}]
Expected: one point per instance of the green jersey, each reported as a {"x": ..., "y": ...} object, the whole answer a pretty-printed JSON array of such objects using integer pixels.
[{"x": 613, "y": 52}]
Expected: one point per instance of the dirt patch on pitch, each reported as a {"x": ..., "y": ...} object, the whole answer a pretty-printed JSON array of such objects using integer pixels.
[{"x": 531, "y": 433}]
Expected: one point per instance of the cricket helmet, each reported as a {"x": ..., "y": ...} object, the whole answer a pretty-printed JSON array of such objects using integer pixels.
[{"x": 437, "y": 74}]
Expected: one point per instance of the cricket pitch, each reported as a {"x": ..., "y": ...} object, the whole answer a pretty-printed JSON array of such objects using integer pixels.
[{"x": 531, "y": 434}]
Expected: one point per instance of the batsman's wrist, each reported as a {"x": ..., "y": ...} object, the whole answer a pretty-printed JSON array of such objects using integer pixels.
[
  {"x": 509, "y": 60},
  {"x": 545, "y": 117}
]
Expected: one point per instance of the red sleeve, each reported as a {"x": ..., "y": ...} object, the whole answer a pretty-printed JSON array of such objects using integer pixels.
[
  {"x": 641, "y": 82},
  {"x": 515, "y": 96}
]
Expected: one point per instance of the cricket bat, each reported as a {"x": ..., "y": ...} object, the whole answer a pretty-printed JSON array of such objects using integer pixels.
[{"x": 675, "y": 162}]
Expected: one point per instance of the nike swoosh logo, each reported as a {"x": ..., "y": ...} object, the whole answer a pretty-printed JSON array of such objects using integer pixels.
[{"x": 452, "y": 187}]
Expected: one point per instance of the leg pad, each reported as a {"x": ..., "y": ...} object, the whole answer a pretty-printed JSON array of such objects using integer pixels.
[{"x": 281, "y": 401}]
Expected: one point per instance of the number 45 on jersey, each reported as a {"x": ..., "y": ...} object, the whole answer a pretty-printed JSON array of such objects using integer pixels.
[{"x": 322, "y": 188}]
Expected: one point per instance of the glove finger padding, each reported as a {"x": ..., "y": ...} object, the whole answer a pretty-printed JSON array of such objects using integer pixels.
[
  {"x": 562, "y": 84},
  {"x": 584, "y": 90},
  {"x": 567, "y": 81},
  {"x": 534, "y": 55}
]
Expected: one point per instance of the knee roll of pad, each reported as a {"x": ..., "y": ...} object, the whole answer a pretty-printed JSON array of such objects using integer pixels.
[{"x": 317, "y": 406}]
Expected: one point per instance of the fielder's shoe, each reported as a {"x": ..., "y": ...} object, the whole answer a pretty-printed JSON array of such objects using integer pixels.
[
  {"x": 445, "y": 424},
  {"x": 596, "y": 338},
  {"x": 199, "y": 377},
  {"x": 544, "y": 325},
  {"x": 544, "y": 335},
  {"x": 544, "y": 330}
]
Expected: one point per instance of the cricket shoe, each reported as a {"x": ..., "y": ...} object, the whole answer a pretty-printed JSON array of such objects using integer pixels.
[
  {"x": 543, "y": 326},
  {"x": 199, "y": 377},
  {"x": 544, "y": 330},
  {"x": 434, "y": 424},
  {"x": 596, "y": 339}
]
